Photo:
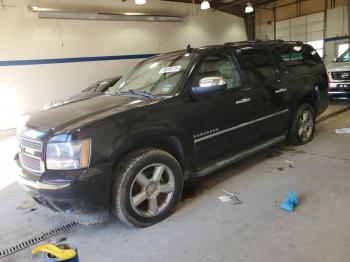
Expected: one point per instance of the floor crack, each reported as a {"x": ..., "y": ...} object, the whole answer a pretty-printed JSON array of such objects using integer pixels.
[{"x": 314, "y": 154}]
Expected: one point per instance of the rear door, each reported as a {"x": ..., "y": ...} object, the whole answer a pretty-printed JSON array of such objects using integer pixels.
[
  {"x": 303, "y": 71},
  {"x": 269, "y": 94}
]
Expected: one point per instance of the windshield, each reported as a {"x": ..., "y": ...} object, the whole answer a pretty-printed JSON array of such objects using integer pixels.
[
  {"x": 156, "y": 76},
  {"x": 345, "y": 57},
  {"x": 100, "y": 86}
]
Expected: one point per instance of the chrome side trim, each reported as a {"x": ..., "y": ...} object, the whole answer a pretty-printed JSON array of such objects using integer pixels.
[
  {"x": 281, "y": 90},
  {"x": 339, "y": 92},
  {"x": 39, "y": 185},
  {"x": 272, "y": 115},
  {"x": 239, "y": 126},
  {"x": 243, "y": 100},
  {"x": 223, "y": 131}
]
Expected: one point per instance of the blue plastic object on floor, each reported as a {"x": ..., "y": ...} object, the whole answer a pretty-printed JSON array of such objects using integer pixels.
[{"x": 288, "y": 204}]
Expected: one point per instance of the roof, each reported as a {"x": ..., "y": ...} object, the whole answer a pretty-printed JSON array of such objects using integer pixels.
[
  {"x": 230, "y": 45},
  {"x": 242, "y": 44}
]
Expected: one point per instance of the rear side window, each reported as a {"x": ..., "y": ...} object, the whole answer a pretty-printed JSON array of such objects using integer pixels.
[
  {"x": 296, "y": 56},
  {"x": 258, "y": 64}
]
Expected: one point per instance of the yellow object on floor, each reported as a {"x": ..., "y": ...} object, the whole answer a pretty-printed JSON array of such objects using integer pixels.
[{"x": 61, "y": 254}]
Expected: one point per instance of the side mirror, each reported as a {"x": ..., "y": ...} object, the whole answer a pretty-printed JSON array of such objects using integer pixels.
[
  {"x": 334, "y": 60},
  {"x": 209, "y": 85}
]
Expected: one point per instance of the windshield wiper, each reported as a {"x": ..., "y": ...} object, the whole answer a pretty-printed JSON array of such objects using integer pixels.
[{"x": 136, "y": 92}]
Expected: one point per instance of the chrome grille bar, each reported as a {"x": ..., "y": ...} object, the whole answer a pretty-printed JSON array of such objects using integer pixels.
[{"x": 30, "y": 154}]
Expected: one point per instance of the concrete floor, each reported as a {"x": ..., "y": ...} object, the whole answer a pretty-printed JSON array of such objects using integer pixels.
[{"x": 205, "y": 229}]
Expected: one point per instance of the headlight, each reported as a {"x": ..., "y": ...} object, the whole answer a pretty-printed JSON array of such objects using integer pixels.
[
  {"x": 330, "y": 76},
  {"x": 68, "y": 156}
]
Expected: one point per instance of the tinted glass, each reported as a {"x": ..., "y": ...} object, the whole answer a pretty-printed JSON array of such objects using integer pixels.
[
  {"x": 155, "y": 76},
  {"x": 344, "y": 57},
  {"x": 342, "y": 48},
  {"x": 101, "y": 86},
  {"x": 91, "y": 88},
  {"x": 258, "y": 64},
  {"x": 305, "y": 54},
  {"x": 299, "y": 59},
  {"x": 219, "y": 65}
]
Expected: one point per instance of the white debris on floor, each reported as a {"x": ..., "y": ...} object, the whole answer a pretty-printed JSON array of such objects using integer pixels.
[
  {"x": 230, "y": 197},
  {"x": 343, "y": 130}
]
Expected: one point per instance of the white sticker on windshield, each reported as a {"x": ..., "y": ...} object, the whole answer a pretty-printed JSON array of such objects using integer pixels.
[{"x": 170, "y": 69}]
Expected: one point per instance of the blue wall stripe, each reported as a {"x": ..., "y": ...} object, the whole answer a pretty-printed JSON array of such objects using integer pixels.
[
  {"x": 72, "y": 60},
  {"x": 331, "y": 39}
]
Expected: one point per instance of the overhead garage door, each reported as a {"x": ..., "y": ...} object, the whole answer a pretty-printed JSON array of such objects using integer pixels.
[{"x": 308, "y": 29}]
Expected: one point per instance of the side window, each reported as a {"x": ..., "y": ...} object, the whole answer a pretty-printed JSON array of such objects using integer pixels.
[
  {"x": 258, "y": 64},
  {"x": 219, "y": 65},
  {"x": 91, "y": 88},
  {"x": 299, "y": 55}
]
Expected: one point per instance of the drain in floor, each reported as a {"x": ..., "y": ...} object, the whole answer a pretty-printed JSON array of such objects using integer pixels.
[{"x": 27, "y": 243}]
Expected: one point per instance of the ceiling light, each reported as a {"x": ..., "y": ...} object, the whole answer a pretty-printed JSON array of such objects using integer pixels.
[
  {"x": 249, "y": 8},
  {"x": 140, "y": 2},
  {"x": 35, "y": 8},
  {"x": 205, "y": 5}
]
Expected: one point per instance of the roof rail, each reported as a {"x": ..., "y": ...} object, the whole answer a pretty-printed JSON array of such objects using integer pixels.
[
  {"x": 280, "y": 41},
  {"x": 295, "y": 42},
  {"x": 257, "y": 41},
  {"x": 242, "y": 42}
]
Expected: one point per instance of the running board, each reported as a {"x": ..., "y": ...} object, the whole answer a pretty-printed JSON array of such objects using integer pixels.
[{"x": 232, "y": 159}]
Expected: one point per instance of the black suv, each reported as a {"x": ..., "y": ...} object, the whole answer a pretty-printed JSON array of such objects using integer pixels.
[{"x": 175, "y": 116}]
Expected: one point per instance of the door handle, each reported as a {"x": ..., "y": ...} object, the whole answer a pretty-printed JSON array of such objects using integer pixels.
[
  {"x": 243, "y": 100},
  {"x": 280, "y": 90}
]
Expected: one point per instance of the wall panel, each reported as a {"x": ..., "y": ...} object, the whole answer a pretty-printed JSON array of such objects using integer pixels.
[{"x": 25, "y": 89}]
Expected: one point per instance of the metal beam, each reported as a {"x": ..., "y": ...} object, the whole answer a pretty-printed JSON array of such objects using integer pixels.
[
  {"x": 87, "y": 15},
  {"x": 348, "y": 5},
  {"x": 274, "y": 23},
  {"x": 325, "y": 28}
]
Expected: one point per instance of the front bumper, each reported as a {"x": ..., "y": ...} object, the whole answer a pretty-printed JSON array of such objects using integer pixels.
[
  {"x": 74, "y": 191},
  {"x": 339, "y": 89}
]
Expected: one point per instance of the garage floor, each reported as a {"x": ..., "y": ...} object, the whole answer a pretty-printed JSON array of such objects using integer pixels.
[{"x": 206, "y": 229}]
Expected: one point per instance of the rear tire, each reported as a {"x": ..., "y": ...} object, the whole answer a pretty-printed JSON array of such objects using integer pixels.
[
  {"x": 147, "y": 186},
  {"x": 303, "y": 126}
]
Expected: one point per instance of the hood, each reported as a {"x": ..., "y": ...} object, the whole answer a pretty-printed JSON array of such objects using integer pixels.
[
  {"x": 77, "y": 114},
  {"x": 338, "y": 66},
  {"x": 82, "y": 96}
]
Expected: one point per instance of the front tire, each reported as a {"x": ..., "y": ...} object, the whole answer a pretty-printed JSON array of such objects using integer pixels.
[
  {"x": 147, "y": 186},
  {"x": 303, "y": 126}
]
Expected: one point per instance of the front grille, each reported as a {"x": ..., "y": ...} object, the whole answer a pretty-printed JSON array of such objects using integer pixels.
[
  {"x": 341, "y": 75},
  {"x": 30, "y": 162},
  {"x": 30, "y": 143},
  {"x": 30, "y": 154}
]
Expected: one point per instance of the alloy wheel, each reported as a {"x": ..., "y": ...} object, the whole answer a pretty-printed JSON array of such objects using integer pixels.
[
  {"x": 305, "y": 126},
  {"x": 152, "y": 190}
]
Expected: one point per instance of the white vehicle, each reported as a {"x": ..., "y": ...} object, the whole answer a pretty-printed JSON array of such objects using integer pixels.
[{"x": 339, "y": 76}]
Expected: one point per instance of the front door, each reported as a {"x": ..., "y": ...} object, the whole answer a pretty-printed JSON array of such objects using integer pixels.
[{"x": 216, "y": 118}]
